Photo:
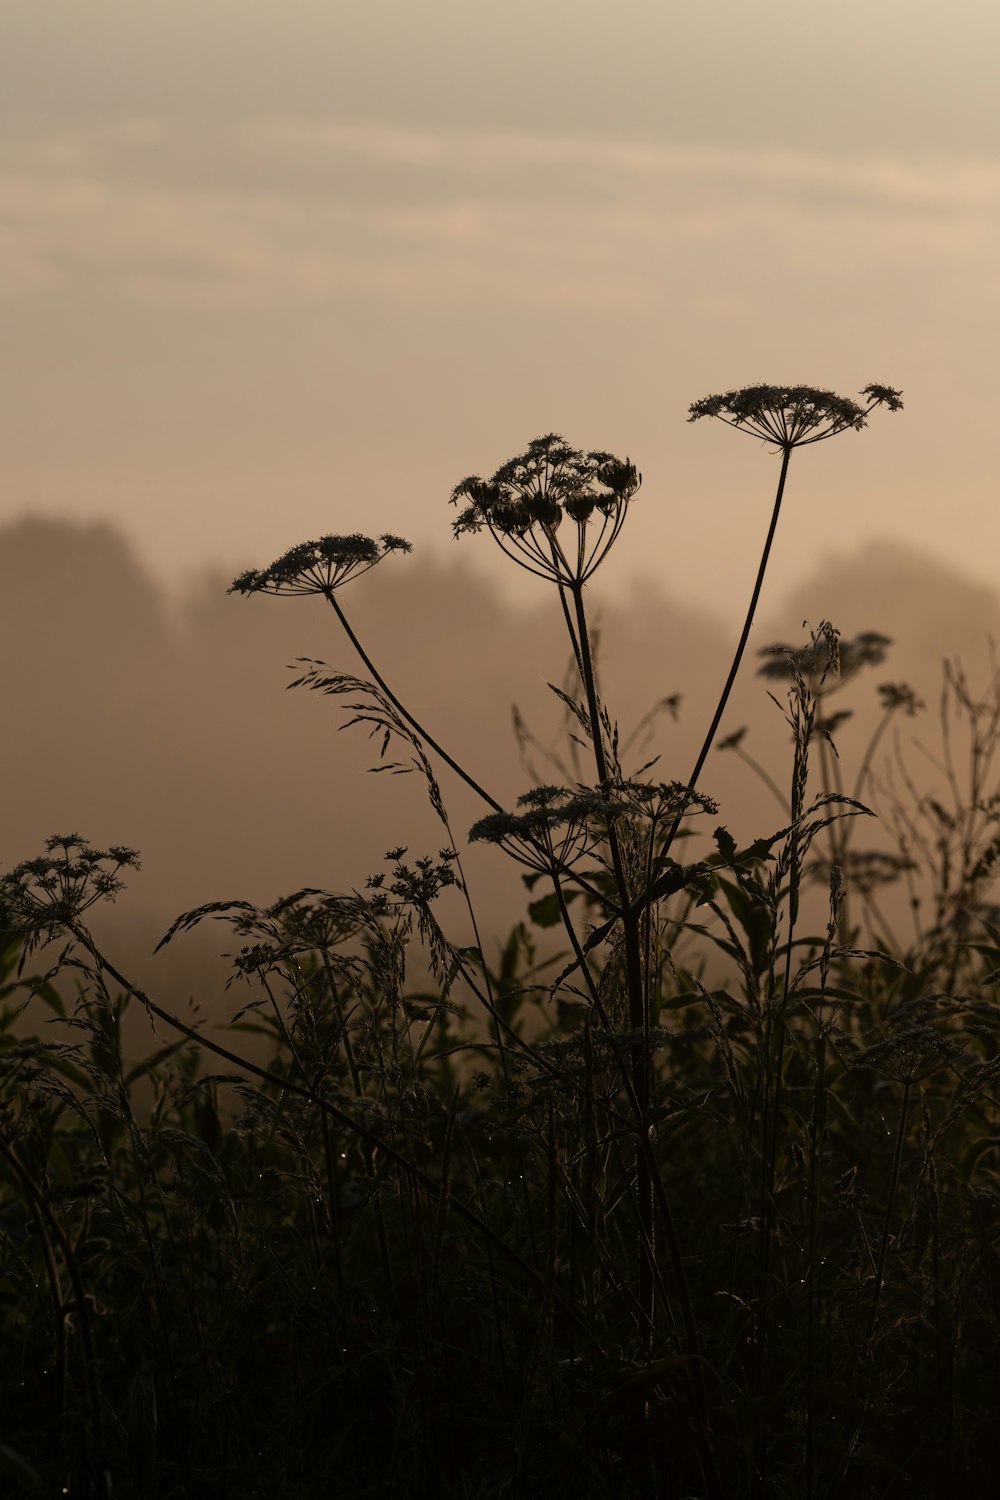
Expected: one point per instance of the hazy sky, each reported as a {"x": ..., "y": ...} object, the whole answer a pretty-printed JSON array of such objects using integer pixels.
[{"x": 275, "y": 270}]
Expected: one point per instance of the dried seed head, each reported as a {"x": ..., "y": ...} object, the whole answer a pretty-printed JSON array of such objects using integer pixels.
[
  {"x": 824, "y": 656},
  {"x": 792, "y": 415},
  {"x": 526, "y": 501},
  {"x": 43, "y": 896},
  {"x": 318, "y": 567},
  {"x": 898, "y": 695},
  {"x": 555, "y": 827}
]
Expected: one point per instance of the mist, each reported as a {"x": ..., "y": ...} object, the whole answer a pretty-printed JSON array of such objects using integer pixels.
[{"x": 167, "y": 724}]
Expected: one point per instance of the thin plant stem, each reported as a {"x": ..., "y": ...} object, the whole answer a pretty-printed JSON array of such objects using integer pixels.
[
  {"x": 404, "y": 712},
  {"x": 637, "y": 1019},
  {"x": 415, "y": 724},
  {"x": 765, "y": 777},
  {"x": 737, "y": 659}
]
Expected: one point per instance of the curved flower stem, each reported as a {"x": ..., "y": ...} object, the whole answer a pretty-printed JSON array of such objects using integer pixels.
[
  {"x": 419, "y": 730},
  {"x": 405, "y": 714},
  {"x": 766, "y": 778},
  {"x": 864, "y": 770},
  {"x": 571, "y": 631},
  {"x": 737, "y": 659}
]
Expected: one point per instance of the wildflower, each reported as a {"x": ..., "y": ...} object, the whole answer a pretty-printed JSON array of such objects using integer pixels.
[
  {"x": 918, "y": 1040},
  {"x": 894, "y": 695},
  {"x": 912, "y": 1054},
  {"x": 317, "y": 920},
  {"x": 657, "y": 800},
  {"x": 41, "y": 897},
  {"x": 793, "y": 415},
  {"x": 318, "y": 567},
  {"x": 866, "y": 650},
  {"x": 528, "y": 499},
  {"x": 554, "y": 829},
  {"x": 868, "y": 870},
  {"x": 258, "y": 958},
  {"x": 823, "y": 656}
]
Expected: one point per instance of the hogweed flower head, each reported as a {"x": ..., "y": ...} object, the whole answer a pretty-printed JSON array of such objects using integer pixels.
[
  {"x": 531, "y": 496},
  {"x": 899, "y": 695},
  {"x": 790, "y": 416},
  {"x": 555, "y": 826},
  {"x": 318, "y": 567},
  {"x": 919, "y": 1038},
  {"x": 42, "y": 897},
  {"x": 825, "y": 656},
  {"x": 657, "y": 801},
  {"x": 868, "y": 870}
]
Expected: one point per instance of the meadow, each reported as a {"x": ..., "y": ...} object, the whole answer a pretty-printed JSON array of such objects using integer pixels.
[{"x": 687, "y": 1188}]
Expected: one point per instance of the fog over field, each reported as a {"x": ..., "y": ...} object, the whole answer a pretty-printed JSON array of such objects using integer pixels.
[
  {"x": 308, "y": 1187},
  {"x": 166, "y": 724}
]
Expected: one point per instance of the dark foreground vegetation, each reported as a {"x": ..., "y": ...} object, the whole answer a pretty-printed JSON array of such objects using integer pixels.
[{"x": 688, "y": 1189}]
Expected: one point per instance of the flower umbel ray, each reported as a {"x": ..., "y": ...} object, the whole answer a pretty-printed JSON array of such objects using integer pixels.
[
  {"x": 319, "y": 567},
  {"x": 790, "y": 416}
]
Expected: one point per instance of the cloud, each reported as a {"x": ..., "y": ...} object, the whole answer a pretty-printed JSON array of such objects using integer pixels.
[
  {"x": 934, "y": 182},
  {"x": 285, "y": 212}
]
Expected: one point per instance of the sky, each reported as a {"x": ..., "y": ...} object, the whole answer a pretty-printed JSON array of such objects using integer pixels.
[{"x": 272, "y": 271}]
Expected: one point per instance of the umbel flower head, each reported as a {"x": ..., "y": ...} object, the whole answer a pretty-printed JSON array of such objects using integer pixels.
[
  {"x": 555, "y": 827},
  {"x": 318, "y": 567},
  {"x": 791, "y": 416},
  {"x": 825, "y": 656},
  {"x": 41, "y": 897},
  {"x": 547, "y": 487}
]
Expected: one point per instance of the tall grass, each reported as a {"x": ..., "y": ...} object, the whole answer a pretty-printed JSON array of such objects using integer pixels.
[{"x": 688, "y": 1188}]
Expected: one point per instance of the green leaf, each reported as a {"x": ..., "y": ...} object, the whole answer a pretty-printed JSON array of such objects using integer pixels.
[
  {"x": 755, "y": 920},
  {"x": 546, "y": 911},
  {"x": 726, "y": 844}
]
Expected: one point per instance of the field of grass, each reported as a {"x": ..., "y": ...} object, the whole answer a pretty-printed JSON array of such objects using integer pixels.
[{"x": 688, "y": 1188}]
